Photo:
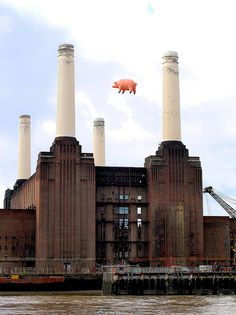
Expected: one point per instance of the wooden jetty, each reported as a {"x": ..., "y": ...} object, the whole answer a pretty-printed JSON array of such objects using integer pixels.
[{"x": 167, "y": 281}]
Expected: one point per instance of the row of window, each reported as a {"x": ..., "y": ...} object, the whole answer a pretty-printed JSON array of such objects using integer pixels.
[
  {"x": 125, "y": 210},
  {"x": 123, "y": 223},
  {"x": 14, "y": 237},
  {"x": 122, "y": 210},
  {"x": 122, "y": 197},
  {"x": 126, "y": 197},
  {"x": 14, "y": 247}
]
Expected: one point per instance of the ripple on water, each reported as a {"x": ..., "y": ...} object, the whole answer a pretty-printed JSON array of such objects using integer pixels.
[{"x": 55, "y": 303}]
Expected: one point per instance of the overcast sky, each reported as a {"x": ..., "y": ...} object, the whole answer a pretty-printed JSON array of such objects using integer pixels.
[{"x": 114, "y": 40}]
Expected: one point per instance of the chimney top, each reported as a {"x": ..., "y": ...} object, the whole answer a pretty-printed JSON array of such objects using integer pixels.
[
  {"x": 65, "y": 49},
  {"x": 99, "y": 122},
  {"x": 24, "y": 116},
  {"x": 170, "y": 56}
]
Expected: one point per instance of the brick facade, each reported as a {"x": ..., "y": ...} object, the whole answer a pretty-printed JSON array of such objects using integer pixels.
[
  {"x": 65, "y": 224},
  {"x": 77, "y": 215},
  {"x": 17, "y": 238},
  {"x": 175, "y": 206},
  {"x": 121, "y": 215}
]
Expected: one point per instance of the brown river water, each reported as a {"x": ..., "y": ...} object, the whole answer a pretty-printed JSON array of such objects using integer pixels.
[{"x": 75, "y": 303}]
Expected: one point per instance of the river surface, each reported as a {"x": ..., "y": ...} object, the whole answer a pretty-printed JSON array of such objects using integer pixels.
[{"x": 75, "y": 303}]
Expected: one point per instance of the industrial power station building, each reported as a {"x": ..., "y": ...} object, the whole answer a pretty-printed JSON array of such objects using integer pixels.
[{"x": 74, "y": 212}]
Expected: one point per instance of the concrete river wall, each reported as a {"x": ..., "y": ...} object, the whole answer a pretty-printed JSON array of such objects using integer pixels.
[{"x": 163, "y": 281}]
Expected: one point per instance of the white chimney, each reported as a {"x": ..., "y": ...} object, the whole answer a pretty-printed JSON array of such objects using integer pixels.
[
  {"x": 65, "y": 125},
  {"x": 171, "y": 100},
  {"x": 24, "y": 158},
  {"x": 99, "y": 141}
]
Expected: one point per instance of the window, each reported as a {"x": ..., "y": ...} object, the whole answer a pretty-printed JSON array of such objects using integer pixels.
[
  {"x": 123, "y": 223},
  {"x": 139, "y": 223},
  {"x": 139, "y": 197},
  {"x": 123, "y": 197},
  {"x": 139, "y": 210},
  {"x": 121, "y": 210}
]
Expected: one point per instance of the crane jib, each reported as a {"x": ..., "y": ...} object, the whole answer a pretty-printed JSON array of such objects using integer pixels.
[{"x": 230, "y": 210}]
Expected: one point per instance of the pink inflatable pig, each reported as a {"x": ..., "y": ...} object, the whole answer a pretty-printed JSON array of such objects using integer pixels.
[{"x": 125, "y": 85}]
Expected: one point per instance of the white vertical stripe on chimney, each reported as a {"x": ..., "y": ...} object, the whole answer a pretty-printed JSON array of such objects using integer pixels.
[
  {"x": 99, "y": 141},
  {"x": 171, "y": 100},
  {"x": 65, "y": 122},
  {"x": 24, "y": 146}
]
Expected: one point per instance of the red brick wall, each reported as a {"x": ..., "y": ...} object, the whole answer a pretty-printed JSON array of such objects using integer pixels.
[
  {"x": 175, "y": 206},
  {"x": 24, "y": 197},
  {"x": 17, "y": 236},
  {"x": 216, "y": 239},
  {"x": 65, "y": 224}
]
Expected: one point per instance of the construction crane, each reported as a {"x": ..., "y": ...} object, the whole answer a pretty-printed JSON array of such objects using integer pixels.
[{"x": 231, "y": 211}]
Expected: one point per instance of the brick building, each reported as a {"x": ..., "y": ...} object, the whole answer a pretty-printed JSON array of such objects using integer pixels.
[{"x": 72, "y": 214}]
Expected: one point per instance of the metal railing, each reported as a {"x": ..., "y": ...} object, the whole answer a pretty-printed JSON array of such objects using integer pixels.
[{"x": 114, "y": 269}]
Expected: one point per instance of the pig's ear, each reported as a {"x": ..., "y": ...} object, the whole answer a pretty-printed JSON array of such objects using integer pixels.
[{"x": 115, "y": 82}]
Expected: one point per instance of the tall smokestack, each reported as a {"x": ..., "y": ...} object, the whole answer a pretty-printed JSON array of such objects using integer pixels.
[
  {"x": 171, "y": 99},
  {"x": 24, "y": 158},
  {"x": 65, "y": 126},
  {"x": 99, "y": 141}
]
